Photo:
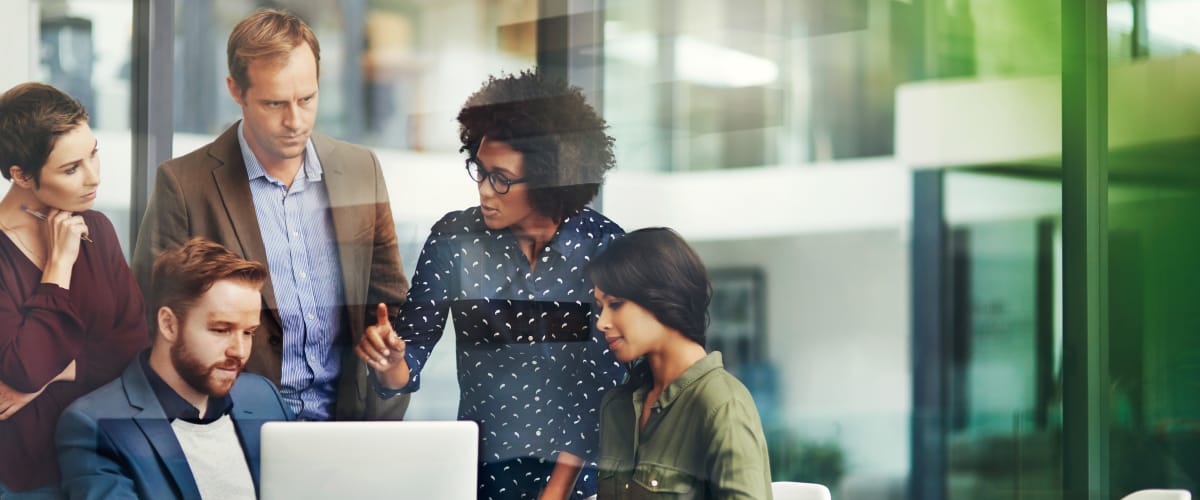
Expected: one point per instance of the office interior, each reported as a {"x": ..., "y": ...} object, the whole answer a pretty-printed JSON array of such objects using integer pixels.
[{"x": 949, "y": 239}]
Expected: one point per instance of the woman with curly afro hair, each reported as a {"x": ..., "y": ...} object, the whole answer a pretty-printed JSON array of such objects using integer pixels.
[{"x": 532, "y": 368}]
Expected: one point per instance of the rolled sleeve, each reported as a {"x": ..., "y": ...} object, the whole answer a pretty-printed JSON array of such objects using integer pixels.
[{"x": 41, "y": 336}]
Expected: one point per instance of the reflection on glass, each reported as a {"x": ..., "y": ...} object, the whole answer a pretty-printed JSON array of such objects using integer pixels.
[
  {"x": 1154, "y": 194},
  {"x": 1003, "y": 375},
  {"x": 85, "y": 49},
  {"x": 394, "y": 74},
  {"x": 776, "y": 167},
  {"x": 1152, "y": 28},
  {"x": 778, "y": 137}
]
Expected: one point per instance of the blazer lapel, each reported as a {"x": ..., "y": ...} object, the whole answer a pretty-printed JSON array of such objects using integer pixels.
[
  {"x": 248, "y": 428},
  {"x": 153, "y": 423},
  {"x": 352, "y": 219},
  {"x": 233, "y": 185}
]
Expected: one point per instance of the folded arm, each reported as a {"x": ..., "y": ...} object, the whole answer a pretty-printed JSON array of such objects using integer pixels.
[
  {"x": 11, "y": 400},
  {"x": 39, "y": 337}
]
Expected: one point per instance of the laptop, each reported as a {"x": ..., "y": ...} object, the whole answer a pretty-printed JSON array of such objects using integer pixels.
[{"x": 367, "y": 460}]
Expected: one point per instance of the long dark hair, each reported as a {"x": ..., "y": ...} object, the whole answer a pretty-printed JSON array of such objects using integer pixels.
[{"x": 658, "y": 271}]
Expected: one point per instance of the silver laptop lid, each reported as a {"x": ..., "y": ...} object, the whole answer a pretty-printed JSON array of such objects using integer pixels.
[{"x": 368, "y": 460}]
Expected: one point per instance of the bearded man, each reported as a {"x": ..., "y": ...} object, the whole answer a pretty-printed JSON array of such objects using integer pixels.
[{"x": 183, "y": 420}]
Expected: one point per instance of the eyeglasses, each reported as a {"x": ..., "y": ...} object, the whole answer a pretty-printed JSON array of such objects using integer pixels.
[{"x": 500, "y": 183}]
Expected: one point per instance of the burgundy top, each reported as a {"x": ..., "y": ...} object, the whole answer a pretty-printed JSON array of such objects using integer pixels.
[{"x": 100, "y": 323}]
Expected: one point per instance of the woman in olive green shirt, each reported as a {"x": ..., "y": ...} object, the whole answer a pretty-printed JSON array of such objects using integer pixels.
[{"x": 681, "y": 426}]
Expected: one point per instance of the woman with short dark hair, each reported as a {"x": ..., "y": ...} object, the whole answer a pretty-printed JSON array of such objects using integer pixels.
[
  {"x": 71, "y": 315},
  {"x": 531, "y": 369},
  {"x": 681, "y": 424}
]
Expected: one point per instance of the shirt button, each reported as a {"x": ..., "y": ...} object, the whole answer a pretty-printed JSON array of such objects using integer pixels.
[
  {"x": 303, "y": 275},
  {"x": 309, "y": 316},
  {"x": 626, "y": 485},
  {"x": 654, "y": 482},
  {"x": 295, "y": 233}
]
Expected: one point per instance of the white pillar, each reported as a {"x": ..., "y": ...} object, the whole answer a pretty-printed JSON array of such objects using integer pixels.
[{"x": 19, "y": 37}]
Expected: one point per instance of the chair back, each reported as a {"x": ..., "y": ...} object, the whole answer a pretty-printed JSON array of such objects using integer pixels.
[
  {"x": 786, "y": 490},
  {"x": 1159, "y": 495}
]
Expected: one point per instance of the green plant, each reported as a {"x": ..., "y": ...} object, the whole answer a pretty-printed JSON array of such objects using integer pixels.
[{"x": 796, "y": 459}]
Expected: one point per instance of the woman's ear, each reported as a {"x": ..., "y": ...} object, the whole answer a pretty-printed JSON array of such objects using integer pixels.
[{"x": 19, "y": 177}]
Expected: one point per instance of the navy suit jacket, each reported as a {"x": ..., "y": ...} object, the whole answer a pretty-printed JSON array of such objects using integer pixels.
[{"x": 116, "y": 442}]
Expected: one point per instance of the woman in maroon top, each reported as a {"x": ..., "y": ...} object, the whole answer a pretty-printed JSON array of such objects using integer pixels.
[{"x": 71, "y": 316}]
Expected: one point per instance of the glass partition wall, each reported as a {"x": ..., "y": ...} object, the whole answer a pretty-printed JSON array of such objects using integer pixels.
[
  {"x": 884, "y": 192},
  {"x": 1154, "y": 196},
  {"x": 84, "y": 49},
  {"x": 800, "y": 146}
]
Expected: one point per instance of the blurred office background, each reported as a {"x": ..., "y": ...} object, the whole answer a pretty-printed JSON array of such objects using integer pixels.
[{"x": 882, "y": 190}]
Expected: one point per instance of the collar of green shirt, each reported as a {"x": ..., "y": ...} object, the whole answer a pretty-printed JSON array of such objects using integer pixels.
[{"x": 641, "y": 374}]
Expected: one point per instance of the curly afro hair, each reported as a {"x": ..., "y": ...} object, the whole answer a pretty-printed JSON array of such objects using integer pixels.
[{"x": 562, "y": 139}]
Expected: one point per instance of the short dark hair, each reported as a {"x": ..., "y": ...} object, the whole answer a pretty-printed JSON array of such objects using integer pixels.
[
  {"x": 561, "y": 137},
  {"x": 180, "y": 276},
  {"x": 32, "y": 118},
  {"x": 266, "y": 34},
  {"x": 655, "y": 269}
]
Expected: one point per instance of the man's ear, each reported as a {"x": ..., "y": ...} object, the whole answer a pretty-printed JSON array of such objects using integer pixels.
[
  {"x": 234, "y": 91},
  {"x": 168, "y": 324}
]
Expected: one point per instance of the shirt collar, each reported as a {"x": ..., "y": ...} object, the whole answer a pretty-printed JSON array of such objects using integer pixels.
[
  {"x": 570, "y": 234},
  {"x": 254, "y": 170},
  {"x": 640, "y": 375},
  {"x": 174, "y": 406}
]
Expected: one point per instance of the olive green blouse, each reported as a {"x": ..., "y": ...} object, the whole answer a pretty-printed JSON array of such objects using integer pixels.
[{"x": 703, "y": 440}]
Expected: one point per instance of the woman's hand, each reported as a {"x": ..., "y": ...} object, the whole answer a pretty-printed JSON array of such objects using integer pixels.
[
  {"x": 67, "y": 375},
  {"x": 61, "y": 233},
  {"x": 12, "y": 401},
  {"x": 562, "y": 479},
  {"x": 383, "y": 350}
]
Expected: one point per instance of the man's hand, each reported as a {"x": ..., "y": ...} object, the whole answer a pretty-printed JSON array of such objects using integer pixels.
[{"x": 383, "y": 350}]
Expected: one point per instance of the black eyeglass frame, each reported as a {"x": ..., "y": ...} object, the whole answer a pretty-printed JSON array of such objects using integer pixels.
[{"x": 500, "y": 183}]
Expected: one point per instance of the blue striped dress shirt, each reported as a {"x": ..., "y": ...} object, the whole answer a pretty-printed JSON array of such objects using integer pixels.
[{"x": 302, "y": 258}]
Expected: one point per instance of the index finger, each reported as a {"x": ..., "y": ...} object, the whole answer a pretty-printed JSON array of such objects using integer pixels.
[
  {"x": 381, "y": 315},
  {"x": 374, "y": 339}
]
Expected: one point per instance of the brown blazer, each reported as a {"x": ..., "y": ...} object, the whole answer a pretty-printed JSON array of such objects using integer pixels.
[{"x": 207, "y": 193}]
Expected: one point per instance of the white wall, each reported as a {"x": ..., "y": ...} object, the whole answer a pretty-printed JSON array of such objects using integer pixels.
[{"x": 766, "y": 201}]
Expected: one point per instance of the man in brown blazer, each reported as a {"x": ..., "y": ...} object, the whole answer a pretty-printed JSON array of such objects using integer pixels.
[{"x": 313, "y": 209}]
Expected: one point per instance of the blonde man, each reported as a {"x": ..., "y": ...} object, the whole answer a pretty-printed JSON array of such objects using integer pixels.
[{"x": 313, "y": 209}]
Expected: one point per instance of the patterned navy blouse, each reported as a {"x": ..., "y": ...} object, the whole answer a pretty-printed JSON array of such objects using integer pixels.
[{"x": 532, "y": 367}]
